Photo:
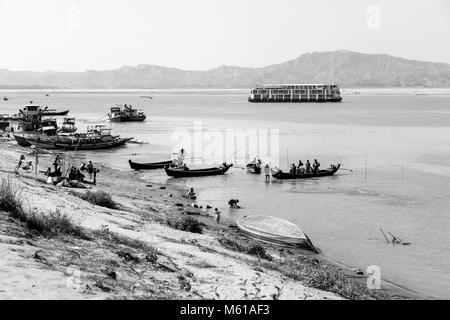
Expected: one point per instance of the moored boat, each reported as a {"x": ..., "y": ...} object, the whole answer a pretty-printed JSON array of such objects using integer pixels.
[
  {"x": 126, "y": 113},
  {"x": 254, "y": 167},
  {"x": 149, "y": 165},
  {"x": 321, "y": 173},
  {"x": 22, "y": 140},
  {"x": 185, "y": 172},
  {"x": 88, "y": 143},
  {"x": 68, "y": 125},
  {"x": 54, "y": 112},
  {"x": 274, "y": 230}
]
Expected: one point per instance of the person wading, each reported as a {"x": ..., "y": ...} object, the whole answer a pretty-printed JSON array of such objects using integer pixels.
[{"x": 267, "y": 172}]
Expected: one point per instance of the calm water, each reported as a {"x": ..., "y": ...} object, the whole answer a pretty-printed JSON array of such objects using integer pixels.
[{"x": 398, "y": 146}]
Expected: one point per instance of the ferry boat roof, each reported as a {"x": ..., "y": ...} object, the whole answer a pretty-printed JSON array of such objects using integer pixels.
[{"x": 294, "y": 84}]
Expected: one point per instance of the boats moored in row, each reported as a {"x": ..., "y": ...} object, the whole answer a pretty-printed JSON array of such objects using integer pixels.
[{"x": 96, "y": 138}]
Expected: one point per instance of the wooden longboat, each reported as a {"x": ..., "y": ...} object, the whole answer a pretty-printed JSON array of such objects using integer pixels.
[
  {"x": 321, "y": 173},
  {"x": 182, "y": 172},
  {"x": 149, "y": 165}
]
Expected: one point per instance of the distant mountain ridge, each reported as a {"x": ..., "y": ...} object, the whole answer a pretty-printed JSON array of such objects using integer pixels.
[{"x": 346, "y": 68}]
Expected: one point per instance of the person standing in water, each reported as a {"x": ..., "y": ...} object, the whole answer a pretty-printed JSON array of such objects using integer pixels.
[
  {"x": 217, "y": 212},
  {"x": 267, "y": 172}
]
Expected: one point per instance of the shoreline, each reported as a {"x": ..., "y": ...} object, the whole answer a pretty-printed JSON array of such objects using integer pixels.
[{"x": 144, "y": 209}]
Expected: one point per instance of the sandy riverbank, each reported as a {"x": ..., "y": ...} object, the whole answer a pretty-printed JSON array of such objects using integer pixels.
[{"x": 114, "y": 262}]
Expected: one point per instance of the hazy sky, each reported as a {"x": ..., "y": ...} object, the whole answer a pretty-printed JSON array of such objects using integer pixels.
[{"x": 77, "y": 35}]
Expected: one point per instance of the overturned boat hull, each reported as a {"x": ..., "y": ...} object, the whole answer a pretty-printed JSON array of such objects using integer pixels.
[{"x": 274, "y": 230}]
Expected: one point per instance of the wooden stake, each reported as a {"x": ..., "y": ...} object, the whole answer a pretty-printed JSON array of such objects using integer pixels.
[
  {"x": 384, "y": 235},
  {"x": 365, "y": 174}
]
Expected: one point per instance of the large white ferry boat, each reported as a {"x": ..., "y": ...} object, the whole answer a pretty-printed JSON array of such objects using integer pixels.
[{"x": 295, "y": 93}]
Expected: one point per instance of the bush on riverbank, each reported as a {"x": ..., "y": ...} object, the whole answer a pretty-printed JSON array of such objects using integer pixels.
[
  {"x": 185, "y": 223},
  {"x": 249, "y": 247},
  {"x": 99, "y": 198},
  {"x": 10, "y": 199},
  {"x": 48, "y": 225},
  {"x": 53, "y": 224},
  {"x": 324, "y": 277}
]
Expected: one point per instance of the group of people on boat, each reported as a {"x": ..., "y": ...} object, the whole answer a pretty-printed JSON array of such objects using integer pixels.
[{"x": 306, "y": 168}]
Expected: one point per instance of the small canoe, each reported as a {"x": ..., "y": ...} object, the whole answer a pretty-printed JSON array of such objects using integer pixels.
[
  {"x": 274, "y": 230},
  {"x": 150, "y": 165},
  {"x": 321, "y": 173},
  {"x": 182, "y": 172}
]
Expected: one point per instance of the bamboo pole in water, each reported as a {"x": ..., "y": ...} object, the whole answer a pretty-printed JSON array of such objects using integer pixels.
[
  {"x": 365, "y": 173},
  {"x": 287, "y": 158}
]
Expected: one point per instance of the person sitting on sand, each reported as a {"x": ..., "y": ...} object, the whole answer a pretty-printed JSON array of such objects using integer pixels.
[
  {"x": 19, "y": 165},
  {"x": 79, "y": 176},
  {"x": 83, "y": 167},
  {"x": 73, "y": 173},
  {"x": 234, "y": 203},
  {"x": 48, "y": 173},
  {"x": 191, "y": 194}
]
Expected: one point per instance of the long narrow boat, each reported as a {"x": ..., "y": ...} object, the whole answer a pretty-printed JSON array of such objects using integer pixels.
[
  {"x": 71, "y": 144},
  {"x": 94, "y": 144},
  {"x": 321, "y": 173},
  {"x": 274, "y": 230},
  {"x": 184, "y": 172},
  {"x": 149, "y": 165},
  {"x": 54, "y": 112}
]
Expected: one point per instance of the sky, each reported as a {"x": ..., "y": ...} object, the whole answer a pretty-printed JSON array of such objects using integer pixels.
[{"x": 77, "y": 35}]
